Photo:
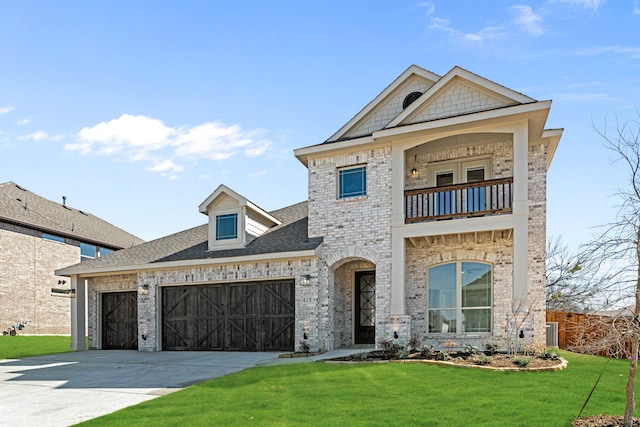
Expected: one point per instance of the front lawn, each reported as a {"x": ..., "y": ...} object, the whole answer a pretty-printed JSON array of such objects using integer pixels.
[
  {"x": 389, "y": 394},
  {"x": 28, "y": 346}
]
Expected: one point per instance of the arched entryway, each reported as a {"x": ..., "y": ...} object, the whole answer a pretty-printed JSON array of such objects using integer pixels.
[{"x": 354, "y": 303}]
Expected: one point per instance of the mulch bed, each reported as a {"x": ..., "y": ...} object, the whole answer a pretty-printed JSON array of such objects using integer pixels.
[
  {"x": 481, "y": 360},
  {"x": 603, "y": 421}
]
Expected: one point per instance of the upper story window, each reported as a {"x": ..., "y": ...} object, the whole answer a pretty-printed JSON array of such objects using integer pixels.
[
  {"x": 352, "y": 182},
  {"x": 88, "y": 251},
  {"x": 459, "y": 297},
  {"x": 53, "y": 237},
  {"x": 227, "y": 226}
]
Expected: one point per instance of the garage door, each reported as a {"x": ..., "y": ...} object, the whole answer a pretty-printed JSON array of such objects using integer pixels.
[
  {"x": 229, "y": 317},
  {"x": 120, "y": 321}
]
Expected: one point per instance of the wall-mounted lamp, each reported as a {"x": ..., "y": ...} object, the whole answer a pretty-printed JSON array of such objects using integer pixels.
[
  {"x": 305, "y": 279},
  {"x": 61, "y": 282},
  {"x": 414, "y": 172},
  {"x": 144, "y": 290},
  {"x": 395, "y": 334}
]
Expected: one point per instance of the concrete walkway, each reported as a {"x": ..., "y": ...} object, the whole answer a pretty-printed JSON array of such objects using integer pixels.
[{"x": 65, "y": 389}]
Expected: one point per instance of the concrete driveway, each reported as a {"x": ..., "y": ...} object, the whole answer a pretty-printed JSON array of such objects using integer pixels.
[{"x": 65, "y": 389}]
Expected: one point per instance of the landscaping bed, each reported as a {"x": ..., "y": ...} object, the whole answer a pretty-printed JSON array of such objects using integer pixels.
[{"x": 470, "y": 356}]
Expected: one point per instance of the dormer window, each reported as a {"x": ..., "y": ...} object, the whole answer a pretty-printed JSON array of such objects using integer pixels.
[
  {"x": 227, "y": 226},
  {"x": 234, "y": 221}
]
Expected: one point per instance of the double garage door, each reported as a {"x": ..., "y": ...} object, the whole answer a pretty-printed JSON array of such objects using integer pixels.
[{"x": 230, "y": 317}]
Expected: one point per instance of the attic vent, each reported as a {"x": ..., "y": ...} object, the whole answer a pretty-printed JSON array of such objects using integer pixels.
[
  {"x": 84, "y": 213},
  {"x": 20, "y": 188},
  {"x": 410, "y": 98}
]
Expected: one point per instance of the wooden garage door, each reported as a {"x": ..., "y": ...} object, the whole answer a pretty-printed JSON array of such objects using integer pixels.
[
  {"x": 120, "y": 321},
  {"x": 231, "y": 317}
]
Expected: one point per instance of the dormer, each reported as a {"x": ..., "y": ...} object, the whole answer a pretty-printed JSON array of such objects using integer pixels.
[{"x": 234, "y": 221}]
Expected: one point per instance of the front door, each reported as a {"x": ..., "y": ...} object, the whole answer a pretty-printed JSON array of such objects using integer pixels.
[{"x": 365, "y": 307}]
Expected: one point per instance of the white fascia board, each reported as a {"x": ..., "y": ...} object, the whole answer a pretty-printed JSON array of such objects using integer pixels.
[
  {"x": 218, "y": 191},
  {"x": 553, "y": 135},
  {"x": 263, "y": 213},
  {"x": 464, "y": 119},
  {"x": 106, "y": 271},
  {"x": 413, "y": 69}
]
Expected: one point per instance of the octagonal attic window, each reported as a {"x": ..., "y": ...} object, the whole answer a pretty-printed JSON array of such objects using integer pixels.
[{"x": 408, "y": 100}]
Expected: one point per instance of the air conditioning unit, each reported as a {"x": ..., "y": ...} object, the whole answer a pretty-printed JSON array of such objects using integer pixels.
[{"x": 552, "y": 334}]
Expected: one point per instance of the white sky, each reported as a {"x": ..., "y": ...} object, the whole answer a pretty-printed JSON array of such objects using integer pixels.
[{"x": 137, "y": 111}]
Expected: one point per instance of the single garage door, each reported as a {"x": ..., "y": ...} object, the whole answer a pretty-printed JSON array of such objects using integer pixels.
[
  {"x": 120, "y": 321},
  {"x": 229, "y": 317}
]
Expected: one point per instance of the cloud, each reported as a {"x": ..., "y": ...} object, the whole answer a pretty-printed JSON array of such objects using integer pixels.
[
  {"x": 258, "y": 173},
  {"x": 527, "y": 19},
  {"x": 41, "y": 136},
  {"x": 6, "y": 110},
  {"x": 164, "y": 148},
  {"x": 486, "y": 33},
  {"x": 636, "y": 7},
  {"x": 430, "y": 7},
  {"x": 632, "y": 52},
  {"x": 23, "y": 122},
  {"x": 594, "y": 5}
]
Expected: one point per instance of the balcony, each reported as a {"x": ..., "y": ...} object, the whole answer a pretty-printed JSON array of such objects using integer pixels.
[{"x": 491, "y": 197}]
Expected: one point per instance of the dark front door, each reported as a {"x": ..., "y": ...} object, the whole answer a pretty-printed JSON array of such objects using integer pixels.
[
  {"x": 233, "y": 317},
  {"x": 365, "y": 307},
  {"x": 120, "y": 321}
]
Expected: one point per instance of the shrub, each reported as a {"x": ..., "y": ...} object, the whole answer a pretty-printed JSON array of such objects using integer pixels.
[
  {"x": 304, "y": 346},
  {"x": 414, "y": 343},
  {"x": 443, "y": 355},
  {"x": 547, "y": 355},
  {"x": 522, "y": 361},
  {"x": 491, "y": 348},
  {"x": 470, "y": 350},
  {"x": 426, "y": 350},
  {"x": 385, "y": 345},
  {"x": 403, "y": 354},
  {"x": 483, "y": 360}
]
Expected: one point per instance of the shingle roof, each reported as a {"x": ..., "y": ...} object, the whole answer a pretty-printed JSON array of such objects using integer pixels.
[
  {"x": 192, "y": 244},
  {"x": 20, "y": 206}
]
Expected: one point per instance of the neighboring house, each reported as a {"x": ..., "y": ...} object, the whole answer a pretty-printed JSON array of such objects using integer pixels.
[
  {"x": 425, "y": 217},
  {"x": 38, "y": 236}
]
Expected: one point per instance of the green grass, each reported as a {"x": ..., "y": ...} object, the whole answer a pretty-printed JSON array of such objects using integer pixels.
[
  {"x": 28, "y": 346},
  {"x": 321, "y": 394}
]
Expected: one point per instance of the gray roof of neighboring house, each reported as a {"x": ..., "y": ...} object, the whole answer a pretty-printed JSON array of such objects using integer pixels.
[
  {"x": 22, "y": 207},
  {"x": 192, "y": 244}
]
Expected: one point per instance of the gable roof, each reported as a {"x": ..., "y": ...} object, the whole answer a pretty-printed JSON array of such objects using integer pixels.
[
  {"x": 458, "y": 92},
  {"x": 223, "y": 191},
  {"x": 21, "y": 207},
  {"x": 189, "y": 247}
]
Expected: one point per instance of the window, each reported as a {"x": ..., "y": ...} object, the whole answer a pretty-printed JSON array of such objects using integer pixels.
[
  {"x": 53, "y": 238},
  {"x": 104, "y": 251},
  {"x": 87, "y": 251},
  {"x": 352, "y": 182},
  {"x": 459, "y": 298},
  {"x": 227, "y": 226}
]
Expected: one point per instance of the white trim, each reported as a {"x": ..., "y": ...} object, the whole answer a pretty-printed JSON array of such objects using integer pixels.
[{"x": 111, "y": 270}]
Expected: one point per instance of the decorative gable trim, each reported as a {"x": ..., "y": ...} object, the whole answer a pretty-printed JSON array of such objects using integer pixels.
[
  {"x": 363, "y": 123},
  {"x": 435, "y": 103}
]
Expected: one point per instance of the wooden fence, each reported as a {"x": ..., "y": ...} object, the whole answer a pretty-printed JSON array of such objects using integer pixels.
[{"x": 593, "y": 334}]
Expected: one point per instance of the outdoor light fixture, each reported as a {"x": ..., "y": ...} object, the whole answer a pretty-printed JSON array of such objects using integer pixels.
[
  {"x": 305, "y": 280},
  {"x": 61, "y": 282},
  {"x": 305, "y": 336},
  {"x": 144, "y": 290},
  {"x": 414, "y": 172},
  {"x": 395, "y": 334}
]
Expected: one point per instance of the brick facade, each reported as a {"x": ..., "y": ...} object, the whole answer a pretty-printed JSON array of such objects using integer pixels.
[{"x": 28, "y": 262}]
